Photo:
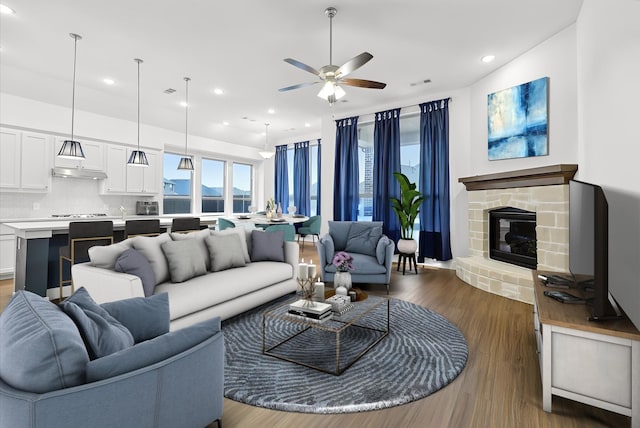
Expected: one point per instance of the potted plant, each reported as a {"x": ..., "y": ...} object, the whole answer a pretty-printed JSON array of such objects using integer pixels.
[{"x": 407, "y": 209}]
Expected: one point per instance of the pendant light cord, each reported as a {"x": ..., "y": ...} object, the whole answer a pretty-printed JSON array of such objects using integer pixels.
[
  {"x": 186, "y": 115},
  {"x": 138, "y": 61},
  {"x": 73, "y": 90}
]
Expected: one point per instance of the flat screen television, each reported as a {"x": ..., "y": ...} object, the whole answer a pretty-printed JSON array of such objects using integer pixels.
[{"x": 589, "y": 247}]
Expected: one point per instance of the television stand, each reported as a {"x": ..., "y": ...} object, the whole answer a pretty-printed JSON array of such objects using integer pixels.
[{"x": 596, "y": 363}]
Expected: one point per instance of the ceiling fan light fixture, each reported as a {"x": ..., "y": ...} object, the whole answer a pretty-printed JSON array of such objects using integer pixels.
[
  {"x": 331, "y": 91},
  {"x": 266, "y": 153}
]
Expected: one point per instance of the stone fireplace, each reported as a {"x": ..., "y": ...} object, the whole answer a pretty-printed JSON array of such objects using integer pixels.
[{"x": 543, "y": 191}]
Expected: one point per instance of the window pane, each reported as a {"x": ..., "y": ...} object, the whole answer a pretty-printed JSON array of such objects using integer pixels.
[
  {"x": 410, "y": 155},
  {"x": 365, "y": 166},
  {"x": 176, "y": 186},
  {"x": 242, "y": 185},
  {"x": 212, "y": 186}
]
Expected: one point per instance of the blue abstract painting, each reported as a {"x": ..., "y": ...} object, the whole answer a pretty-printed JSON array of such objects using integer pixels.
[{"x": 518, "y": 121}]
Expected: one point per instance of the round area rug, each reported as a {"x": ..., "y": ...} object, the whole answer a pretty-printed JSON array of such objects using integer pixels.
[{"x": 422, "y": 353}]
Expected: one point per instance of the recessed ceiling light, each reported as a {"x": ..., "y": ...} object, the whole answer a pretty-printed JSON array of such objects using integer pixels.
[
  {"x": 271, "y": 111},
  {"x": 488, "y": 58},
  {"x": 6, "y": 10},
  {"x": 218, "y": 91},
  {"x": 183, "y": 103},
  {"x": 307, "y": 125},
  {"x": 108, "y": 81},
  {"x": 225, "y": 123}
]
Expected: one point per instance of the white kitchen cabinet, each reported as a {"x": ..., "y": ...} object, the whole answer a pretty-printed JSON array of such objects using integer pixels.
[
  {"x": 116, "y": 169},
  {"x": 145, "y": 180},
  {"x": 9, "y": 158},
  {"x": 93, "y": 156},
  {"x": 25, "y": 160},
  {"x": 7, "y": 252}
]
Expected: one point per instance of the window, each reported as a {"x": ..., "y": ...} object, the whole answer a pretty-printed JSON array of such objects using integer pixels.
[
  {"x": 365, "y": 167},
  {"x": 242, "y": 185},
  {"x": 176, "y": 186},
  {"x": 213, "y": 185},
  {"x": 315, "y": 179}
]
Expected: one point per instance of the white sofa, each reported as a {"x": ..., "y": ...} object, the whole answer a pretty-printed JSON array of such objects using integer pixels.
[{"x": 224, "y": 293}]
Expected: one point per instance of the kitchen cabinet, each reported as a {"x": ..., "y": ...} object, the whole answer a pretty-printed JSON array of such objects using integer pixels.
[
  {"x": 25, "y": 160},
  {"x": 7, "y": 251},
  {"x": 132, "y": 180},
  {"x": 115, "y": 162},
  {"x": 93, "y": 156},
  {"x": 145, "y": 180}
]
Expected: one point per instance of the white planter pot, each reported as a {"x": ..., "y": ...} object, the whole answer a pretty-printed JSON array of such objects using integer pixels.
[
  {"x": 407, "y": 246},
  {"x": 342, "y": 279}
]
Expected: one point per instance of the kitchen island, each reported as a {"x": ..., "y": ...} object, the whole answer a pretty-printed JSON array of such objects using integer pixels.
[{"x": 37, "y": 242}]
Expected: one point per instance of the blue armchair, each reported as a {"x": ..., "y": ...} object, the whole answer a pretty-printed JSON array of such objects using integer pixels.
[
  {"x": 174, "y": 379},
  {"x": 372, "y": 251}
]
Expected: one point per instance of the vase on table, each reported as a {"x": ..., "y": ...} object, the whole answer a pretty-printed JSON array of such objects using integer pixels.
[{"x": 342, "y": 279}]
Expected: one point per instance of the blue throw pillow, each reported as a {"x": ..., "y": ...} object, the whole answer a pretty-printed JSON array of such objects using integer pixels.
[
  {"x": 40, "y": 347},
  {"x": 152, "y": 351},
  {"x": 134, "y": 262},
  {"x": 267, "y": 246},
  {"x": 144, "y": 317},
  {"x": 102, "y": 333}
]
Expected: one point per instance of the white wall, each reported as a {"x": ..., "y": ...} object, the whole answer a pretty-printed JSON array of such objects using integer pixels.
[
  {"x": 608, "y": 57},
  {"x": 554, "y": 58}
]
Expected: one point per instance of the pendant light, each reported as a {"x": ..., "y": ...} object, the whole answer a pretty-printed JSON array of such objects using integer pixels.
[
  {"x": 72, "y": 149},
  {"x": 266, "y": 153},
  {"x": 138, "y": 157},
  {"x": 185, "y": 162}
]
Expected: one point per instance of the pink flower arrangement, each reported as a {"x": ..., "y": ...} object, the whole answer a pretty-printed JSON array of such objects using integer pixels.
[{"x": 342, "y": 261}]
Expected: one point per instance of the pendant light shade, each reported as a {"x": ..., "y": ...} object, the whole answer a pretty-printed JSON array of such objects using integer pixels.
[
  {"x": 72, "y": 149},
  {"x": 185, "y": 161},
  {"x": 267, "y": 154},
  {"x": 138, "y": 157}
]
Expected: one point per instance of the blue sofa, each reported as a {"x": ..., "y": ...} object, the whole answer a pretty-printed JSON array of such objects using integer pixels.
[
  {"x": 372, "y": 251},
  {"x": 184, "y": 388}
]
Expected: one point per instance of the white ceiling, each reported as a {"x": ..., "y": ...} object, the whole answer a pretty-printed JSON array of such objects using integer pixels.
[{"x": 240, "y": 45}]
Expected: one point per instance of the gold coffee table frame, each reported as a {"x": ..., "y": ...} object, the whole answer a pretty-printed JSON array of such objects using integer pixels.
[{"x": 338, "y": 325}]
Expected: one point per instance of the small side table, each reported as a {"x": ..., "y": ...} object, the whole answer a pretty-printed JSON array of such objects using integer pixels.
[{"x": 403, "y": 257}]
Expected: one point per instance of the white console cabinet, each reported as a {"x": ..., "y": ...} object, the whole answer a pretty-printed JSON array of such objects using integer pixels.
[{"x": 593, "y": 362}]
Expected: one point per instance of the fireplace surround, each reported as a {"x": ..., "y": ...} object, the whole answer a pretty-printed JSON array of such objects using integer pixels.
[{"x": 543, "y": 191}]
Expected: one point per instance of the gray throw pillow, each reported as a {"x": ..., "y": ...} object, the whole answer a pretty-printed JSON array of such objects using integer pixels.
[
  {"x": 339, "y": 230},
  {"x": 150, "y": 246},
  {"x": 105, "y": 256},
  {"x": 329, "y": 248},
  {"x": 199, "y": 236},
  {"x": 135, "y": 263},
  {"x": 267, "y": 246},
  {"x": 102, "y": 333},
  {"x": 225, "y": 251},
  {"x": 363, "y": 238},
  {"x": 186, "y": 259},
  {"x": 152, "y": 351},
  {"x": 144, "y": 317},
  {"x": 240, "y": 231},
  {"x": 381, "y": 249},
  {"x": 41, "y": 349}
]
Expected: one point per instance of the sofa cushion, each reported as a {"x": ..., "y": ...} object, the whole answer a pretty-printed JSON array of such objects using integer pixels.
[
  {"x": 267, "y": 246},
  {"x": 240, "y": 231},
  {"x": 339, "y": 231},
  {"x": 362, "y": 264},
  {"x": 134, "y": 262},
  {"x": 329, "y": 248},
  {"x": 186, "y": 259},
  {"x": 105, "y": 256},
  {"x": 41, "y": 349},
  {"x": 225, "y": 251},
  {"x": 144, "y": 317},
  {"x": 152, "y": 351},
  {"x": 150, "y": 246},
  {"x": 381, "y": 248},
  {"x": 199, "y": 236},
  {"x": 363, "y": 238},
  {"x": 102, "y": 333}
]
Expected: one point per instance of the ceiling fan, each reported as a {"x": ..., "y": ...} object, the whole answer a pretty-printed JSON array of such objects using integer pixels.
[{"x": 332, "y": 75}]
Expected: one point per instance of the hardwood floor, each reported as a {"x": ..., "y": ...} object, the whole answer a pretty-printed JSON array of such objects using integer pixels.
[{"x": 499, "y": 387}]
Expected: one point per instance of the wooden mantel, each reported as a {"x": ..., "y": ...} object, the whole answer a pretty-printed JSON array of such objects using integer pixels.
[{"x": 541, "y": 176}]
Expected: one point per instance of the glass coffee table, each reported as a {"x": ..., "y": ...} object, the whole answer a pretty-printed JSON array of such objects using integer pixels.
[{"x": 330, "y": 346}]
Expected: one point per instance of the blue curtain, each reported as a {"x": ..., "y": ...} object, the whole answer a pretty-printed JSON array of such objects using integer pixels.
[
  {"x": 386, "y": 161},
  {"x": 434, "y": 181},
  {"x": 319, "y": 177},
  {"x": 281, "y": 178},
  {"x": 345, "y": 196},
  {"x": 301, "y": 196}
]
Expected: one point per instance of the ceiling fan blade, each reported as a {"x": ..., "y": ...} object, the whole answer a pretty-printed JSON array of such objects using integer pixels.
[
  {"x": 299, "y": 85},
  {"x": 353, "y": 64},
  {"x": 361, "y": 83},
  {"x": 302, "y": 66}
]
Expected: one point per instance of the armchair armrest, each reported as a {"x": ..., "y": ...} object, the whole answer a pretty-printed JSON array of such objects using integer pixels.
[
  {"x": 326, "y": 249},
  {"x": 105, "y": 285}
]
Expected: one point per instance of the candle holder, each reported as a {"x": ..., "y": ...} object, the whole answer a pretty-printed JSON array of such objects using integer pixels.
[{"x": 306, "y": 290}]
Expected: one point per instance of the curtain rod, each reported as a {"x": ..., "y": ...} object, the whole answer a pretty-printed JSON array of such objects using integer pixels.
[{"x": 450, "y": 99}]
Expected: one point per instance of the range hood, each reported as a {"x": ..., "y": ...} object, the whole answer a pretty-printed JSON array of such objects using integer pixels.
[{"x": 86, "y": 174}]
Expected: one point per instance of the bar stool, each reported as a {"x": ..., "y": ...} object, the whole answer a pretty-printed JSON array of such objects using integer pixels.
[
  {"x": 82, "y": 236},
  {"x": 185, "y": 224},
  {"x": 142, "y": 228}
]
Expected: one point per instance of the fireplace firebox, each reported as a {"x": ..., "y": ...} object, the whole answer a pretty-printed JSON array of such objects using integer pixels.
[{"x": 512, "y": 236}]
